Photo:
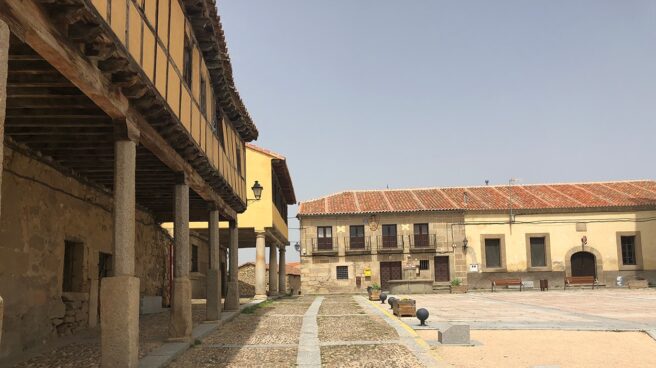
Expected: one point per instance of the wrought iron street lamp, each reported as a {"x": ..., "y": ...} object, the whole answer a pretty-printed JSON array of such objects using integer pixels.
[{"x": 257, "y": 191}]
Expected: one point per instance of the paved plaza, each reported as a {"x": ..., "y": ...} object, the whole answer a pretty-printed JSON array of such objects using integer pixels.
[{"x": 583, "y": 309}]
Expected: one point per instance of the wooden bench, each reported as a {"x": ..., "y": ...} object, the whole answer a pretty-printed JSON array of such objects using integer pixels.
[
  {"x": 507, "y": 282},
  {"x": 579, "y": 280}
]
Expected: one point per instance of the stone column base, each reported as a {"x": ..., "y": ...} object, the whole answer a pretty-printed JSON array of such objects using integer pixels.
[
  {"x": 232, "y": 296},
  {"x": 180, "y": 323},
  {"x": 260, "y": 297},
  {"x": 213, "y": 305},
  {"x": 119, "y": 321}
]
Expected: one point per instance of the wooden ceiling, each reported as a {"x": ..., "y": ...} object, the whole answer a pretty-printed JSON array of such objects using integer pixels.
[{"x": 51, "y": 117}]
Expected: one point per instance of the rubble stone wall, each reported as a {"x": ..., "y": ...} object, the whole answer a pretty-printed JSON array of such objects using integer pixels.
[{"x": 42, "y": 208}]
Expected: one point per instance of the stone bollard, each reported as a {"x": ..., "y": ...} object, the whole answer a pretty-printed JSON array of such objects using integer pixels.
[{"x": 455, "y": 334}]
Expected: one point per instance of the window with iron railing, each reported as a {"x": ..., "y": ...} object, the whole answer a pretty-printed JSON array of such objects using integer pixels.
[
  {"x": 421, "y": 235},
  {"x": 390, "y": 239},
  {"x": 356, "y": 240},
  {"x": 325, "y": 237}
]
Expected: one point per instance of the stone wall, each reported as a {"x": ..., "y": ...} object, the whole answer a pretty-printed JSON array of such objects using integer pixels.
[
  {"x": 41, "y": 210},
  {"x": 247, "y": 281}
]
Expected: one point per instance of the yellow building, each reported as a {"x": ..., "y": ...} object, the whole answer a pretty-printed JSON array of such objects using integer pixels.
[
  {"x": 265, "y": 219},
  {"x": 479, "y": 234}
]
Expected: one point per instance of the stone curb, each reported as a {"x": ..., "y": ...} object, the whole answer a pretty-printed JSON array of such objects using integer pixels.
[
  {"x": 166, "y": 353},
  {"x": 309, "y": 353}
]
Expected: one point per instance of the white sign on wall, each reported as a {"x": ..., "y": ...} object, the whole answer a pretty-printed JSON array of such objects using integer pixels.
[{"x": 473, "y": 267}]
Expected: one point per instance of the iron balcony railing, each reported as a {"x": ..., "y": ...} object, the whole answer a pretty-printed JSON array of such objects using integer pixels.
[
  {"x": 357, "y": 244},
  {"x": 427, "y": 243},
  {"x": 390, "y": 243},
  {"x": 323, "y": 245}
]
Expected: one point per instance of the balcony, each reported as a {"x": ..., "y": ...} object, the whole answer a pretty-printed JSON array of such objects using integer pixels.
[
  {"x": 355, "y": 245},
  {"x": 390, "y": 243},
  {"x": 323, "y": 246},
  {"x": 426, "y": 243}
]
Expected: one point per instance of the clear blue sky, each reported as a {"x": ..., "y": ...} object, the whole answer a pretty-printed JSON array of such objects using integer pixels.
[{"x": 365, "y": 94}]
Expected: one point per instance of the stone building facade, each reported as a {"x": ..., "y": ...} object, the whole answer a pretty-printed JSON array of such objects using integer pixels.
[
  {"x": 351, "y": 240},
  {"x": 62, "y": 228}
]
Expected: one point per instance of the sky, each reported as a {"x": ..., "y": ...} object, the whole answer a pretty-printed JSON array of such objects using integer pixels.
[{"x": 371, "y": 94}]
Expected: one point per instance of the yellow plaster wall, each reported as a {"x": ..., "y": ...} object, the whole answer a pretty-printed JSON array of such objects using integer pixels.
[{"x": 602, "y": 236}]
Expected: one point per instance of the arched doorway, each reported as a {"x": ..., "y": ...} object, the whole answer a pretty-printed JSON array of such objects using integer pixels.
[{"x": 584, "y": 264}]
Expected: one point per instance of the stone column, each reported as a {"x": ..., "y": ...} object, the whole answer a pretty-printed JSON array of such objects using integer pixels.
[
  {"x": 282, "y": 272},
  {"x": 260, "y": 265},
  {"x": 232, "y": 297},
  {"x": 180, "y": 321},
  {"x": 119, "y": 295},
  {"x": 273, "y": 268},
  {"x": 4, "y": 59},
  {"x": 214, "y": 305}
]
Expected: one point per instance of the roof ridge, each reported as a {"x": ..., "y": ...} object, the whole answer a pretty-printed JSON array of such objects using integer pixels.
[
  {"x": 455, "y": 205},
  {"x": 633, "y": 183},
  {"x": 594, "y": 194},
  {"x": 475, "y": 196},
  {"x": 357, "y": 202},
  {"x": 545, "y": 203},
  {"x": 414, "y": 195},
  {"x": 563, "y": 194},
  {"x": 387, "y": 202},
  {"x": 266, "y": 151}
]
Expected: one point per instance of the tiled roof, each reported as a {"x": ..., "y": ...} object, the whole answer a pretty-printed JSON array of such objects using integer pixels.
[{"x": 638, "y": 193}]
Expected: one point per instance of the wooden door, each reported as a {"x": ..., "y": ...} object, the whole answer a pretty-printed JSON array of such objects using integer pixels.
[
  {"x": 583, "y": 264},
  {"x": 389, "y": 271},
  {"x": 442, "y": 269}
]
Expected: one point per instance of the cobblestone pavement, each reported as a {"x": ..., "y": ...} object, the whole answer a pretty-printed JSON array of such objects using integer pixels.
[
  {"x": 605, "y": 309},
  {"x": 336, "y": 331}
]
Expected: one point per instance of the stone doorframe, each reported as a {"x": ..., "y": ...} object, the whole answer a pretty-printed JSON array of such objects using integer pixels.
[{"x": 599, "y": 264}]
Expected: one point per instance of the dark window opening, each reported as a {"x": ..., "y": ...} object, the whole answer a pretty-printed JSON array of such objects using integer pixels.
[
  {"x": 421, "y": 235},
  {"x": 194, "y": 258},
  {"x": 203, "y": 96},
  {"x": 493, "y": 253},
  {"x": 73, "y": 267},
  {"x": 423, "y": 264},
  {"x": 186, "y": 62},
  {"x": 628, "y": 250},
  {"x": 389, "y": 236},
  {"x": 104, "y": 265},
  {"x": 325, "y": 237},
  {"x": 538, "y": 252},
  {"x": 342, "y": 273},
  {"x": 357, "y": 236},
  {"x": 238, "y": 157}
]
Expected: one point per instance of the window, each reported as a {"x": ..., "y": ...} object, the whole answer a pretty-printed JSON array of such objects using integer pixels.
[
  {"x": 357, "y": 236},
  {"x": 325, "y": 237},
  {"x": 194, "y": 258},
  {"x": 628, "y": 245},
  {"x": 73, "y": 267},
  {"x": 186, "y": 62},
  {"x": 389, "y": 236},
  {"x": 238, "y": 157},
  {"x": 421, "y": 235},
  {"x": 342, "y": 273},
  {"x": 493, "y": 253},
  {"x": 423, "y": 264},
  {"x": 538, "y": 251},
  {"x": 203, "y": 95}
]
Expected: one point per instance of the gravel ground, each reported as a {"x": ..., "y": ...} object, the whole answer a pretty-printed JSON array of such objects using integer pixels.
[
  {"x": 74, "y": 355},
  {"x": 387, "y": 355},
  {"x": 283, "y": 309},
  {"x": 220, "y": 357},
  {"x": 249, "y": 329},
  {"x": 365, "y": 327},
  {"x": 340, "y": 308},
  {"x": 577, "y": 349}
]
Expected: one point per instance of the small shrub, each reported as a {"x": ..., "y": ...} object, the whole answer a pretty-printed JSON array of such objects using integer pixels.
[{"x": 456, "y": 282}]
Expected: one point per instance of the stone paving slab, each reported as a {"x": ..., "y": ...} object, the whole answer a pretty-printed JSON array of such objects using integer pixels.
[{"x": 610, "y": 309}]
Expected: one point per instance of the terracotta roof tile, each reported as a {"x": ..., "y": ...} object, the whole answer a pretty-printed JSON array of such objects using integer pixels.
[{"x": 490, "y": 198}]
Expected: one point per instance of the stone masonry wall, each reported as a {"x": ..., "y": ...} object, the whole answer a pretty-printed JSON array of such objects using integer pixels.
[{"x": 41, "y": 210}]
